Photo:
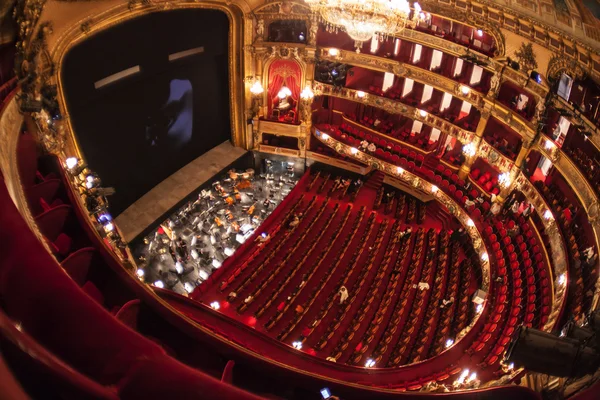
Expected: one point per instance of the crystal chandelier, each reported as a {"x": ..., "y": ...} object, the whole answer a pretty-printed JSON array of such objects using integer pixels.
[{"x": 361, "y": 19}]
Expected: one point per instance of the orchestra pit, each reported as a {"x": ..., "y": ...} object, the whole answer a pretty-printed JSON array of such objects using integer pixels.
[{"x": 299, "y": 199}]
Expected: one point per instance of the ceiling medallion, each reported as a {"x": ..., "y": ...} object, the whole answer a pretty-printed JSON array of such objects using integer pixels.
[{"x": 361, "y": 19}]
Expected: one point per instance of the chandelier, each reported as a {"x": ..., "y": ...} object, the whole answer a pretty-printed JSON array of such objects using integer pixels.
[{"x": 361, "y": 19}]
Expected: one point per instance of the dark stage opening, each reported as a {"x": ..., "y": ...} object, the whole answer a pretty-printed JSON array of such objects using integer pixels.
[{"x": 137, "y": 131}]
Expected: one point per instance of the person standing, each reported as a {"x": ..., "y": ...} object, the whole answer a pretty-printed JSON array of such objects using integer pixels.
[{"x": 343, "y": 293}]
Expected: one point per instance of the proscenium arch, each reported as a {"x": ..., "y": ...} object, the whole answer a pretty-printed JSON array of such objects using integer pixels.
[{"x": 120, "y": 14}]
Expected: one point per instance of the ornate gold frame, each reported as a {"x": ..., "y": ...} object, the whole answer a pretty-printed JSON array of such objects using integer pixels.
[{"x": 114, "y": 16}]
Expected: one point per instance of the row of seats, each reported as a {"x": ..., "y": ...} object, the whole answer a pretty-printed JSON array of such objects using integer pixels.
[
  {"x": 295, "y": 266},
  {"x": 280, "y": 258},
  {"x": 56, "y": 313},
  {"x": 315, "y": 264},
  {"x": 312, "y": 297}
]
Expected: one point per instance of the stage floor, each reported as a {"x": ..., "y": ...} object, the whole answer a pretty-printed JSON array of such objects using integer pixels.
[
  {"x": 183, "y": 248},
  {"x": 167, "y": 194}
]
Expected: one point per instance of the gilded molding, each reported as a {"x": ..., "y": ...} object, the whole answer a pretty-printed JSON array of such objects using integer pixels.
[
  {"x": 423, "y": 186},
  {"x": 558, "y": 260},
  {"x": 121, "y": 13},
  {"x": 477, "y": 99},
  {"x": 395, "y": 107}
]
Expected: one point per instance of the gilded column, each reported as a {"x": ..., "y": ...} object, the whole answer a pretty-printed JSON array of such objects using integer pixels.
[{"x": 473, "y": 147}]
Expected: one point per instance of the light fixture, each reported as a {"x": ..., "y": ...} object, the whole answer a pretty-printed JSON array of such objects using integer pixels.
[
  {"x": 215, "y": 305},
  {"x": 400, "y": 170},
  {"x": 203, "y": 275},
  {"x": 370, "y": 363},
  {"x": 159, "y": 284},
  {"x": 188, "y": 287},
  {"x": 216, "y": 263},
  {"x": 485, "y": 257},
  {"x": 284, "y": 92},
  {"x": 109, "y": 227},
  {"x": 362, "y": 19},
  {"x": 470, "y": 223},
  {"x": 423, "y": 113},
  {"x": 548, "y": 215},
  {"x": 353, "y": 150},
  {"x": 449, "y": 342},
  {"x": 562, "y": 279},
  {"x": 325, "y": 136},
  {"x": 89, "y": 178},
  {"x": 89, "y": 184},
  {"x": 307, "y": 93},
  {"x": 334, "y": 52},
  {"x": 140, "y": 273},
  {"x": 462, "y": 377},
  {"x": 360, "y": 94},
  {"x": 479, "y": 308},
  {"x": 71, "y": 162},
  {"x": 472, "y": 377},
  {"x": 297, "y": 345},
  {"x": 504, "y": 179},
  {"x": 549, "y": 145},
  {"x": 434, "y": 189},
  {"x": 256, "y": 88},
  {"x": 465, "y": 90},
  {"x": 511, "y": 366},
  {"x": 479, "y": 32},
  {"x": 469, "y": 149},
  {"x": 228, "y": 251}
]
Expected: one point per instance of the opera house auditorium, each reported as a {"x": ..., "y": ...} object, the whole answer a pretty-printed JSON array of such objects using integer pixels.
[{"x": 300, "y": 199}]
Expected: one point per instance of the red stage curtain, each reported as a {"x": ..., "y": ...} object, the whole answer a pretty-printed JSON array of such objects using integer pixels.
[{"x": 288, "y": 73}]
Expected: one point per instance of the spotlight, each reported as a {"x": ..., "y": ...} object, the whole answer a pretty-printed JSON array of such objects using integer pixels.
[
  {"x": 370, "y": 363},
  {"x": 109, "y": 227},
  {"x": 546, "y": 353},
  {"x": 485, "y": 257},
  {"x": 353, "y": 150},
  {"x": 215, "y": 305},
  {"x": 423, "y": 113},
  {"x": 297, "y": 345},
  {"x": 465, "y": 90},
  {"x": 434, "y": 189},
  {"x": 140, "y": 273},
  {"x": 548, "y": 214},
  {"x": 479, "y": 308},
  {"x": 360, "y": 94},
  {"x": 470, "y": 223},
  {"x": 334, "y": 52},
  {"x": 449, "y": 342},
  {"x": 400, "y": 170},
  {"x": 325, "y": 136},
  {"x": 549, "y": 144}
]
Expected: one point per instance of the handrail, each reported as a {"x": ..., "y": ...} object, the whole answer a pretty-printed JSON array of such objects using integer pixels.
[
  {"x": 477, "y": 99},
  {"x": 395, "y": 107},
  {"x": 558, "y": 248}
]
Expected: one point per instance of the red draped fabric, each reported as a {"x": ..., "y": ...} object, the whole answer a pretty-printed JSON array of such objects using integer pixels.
[{"x": 288, "y": 73}]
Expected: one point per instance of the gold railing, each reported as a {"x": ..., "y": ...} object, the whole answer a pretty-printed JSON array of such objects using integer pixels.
[
  {"x": 558, "y": 263},
  {"x": 395, "y": 107},
  {"x": 478, "y": 100}
]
